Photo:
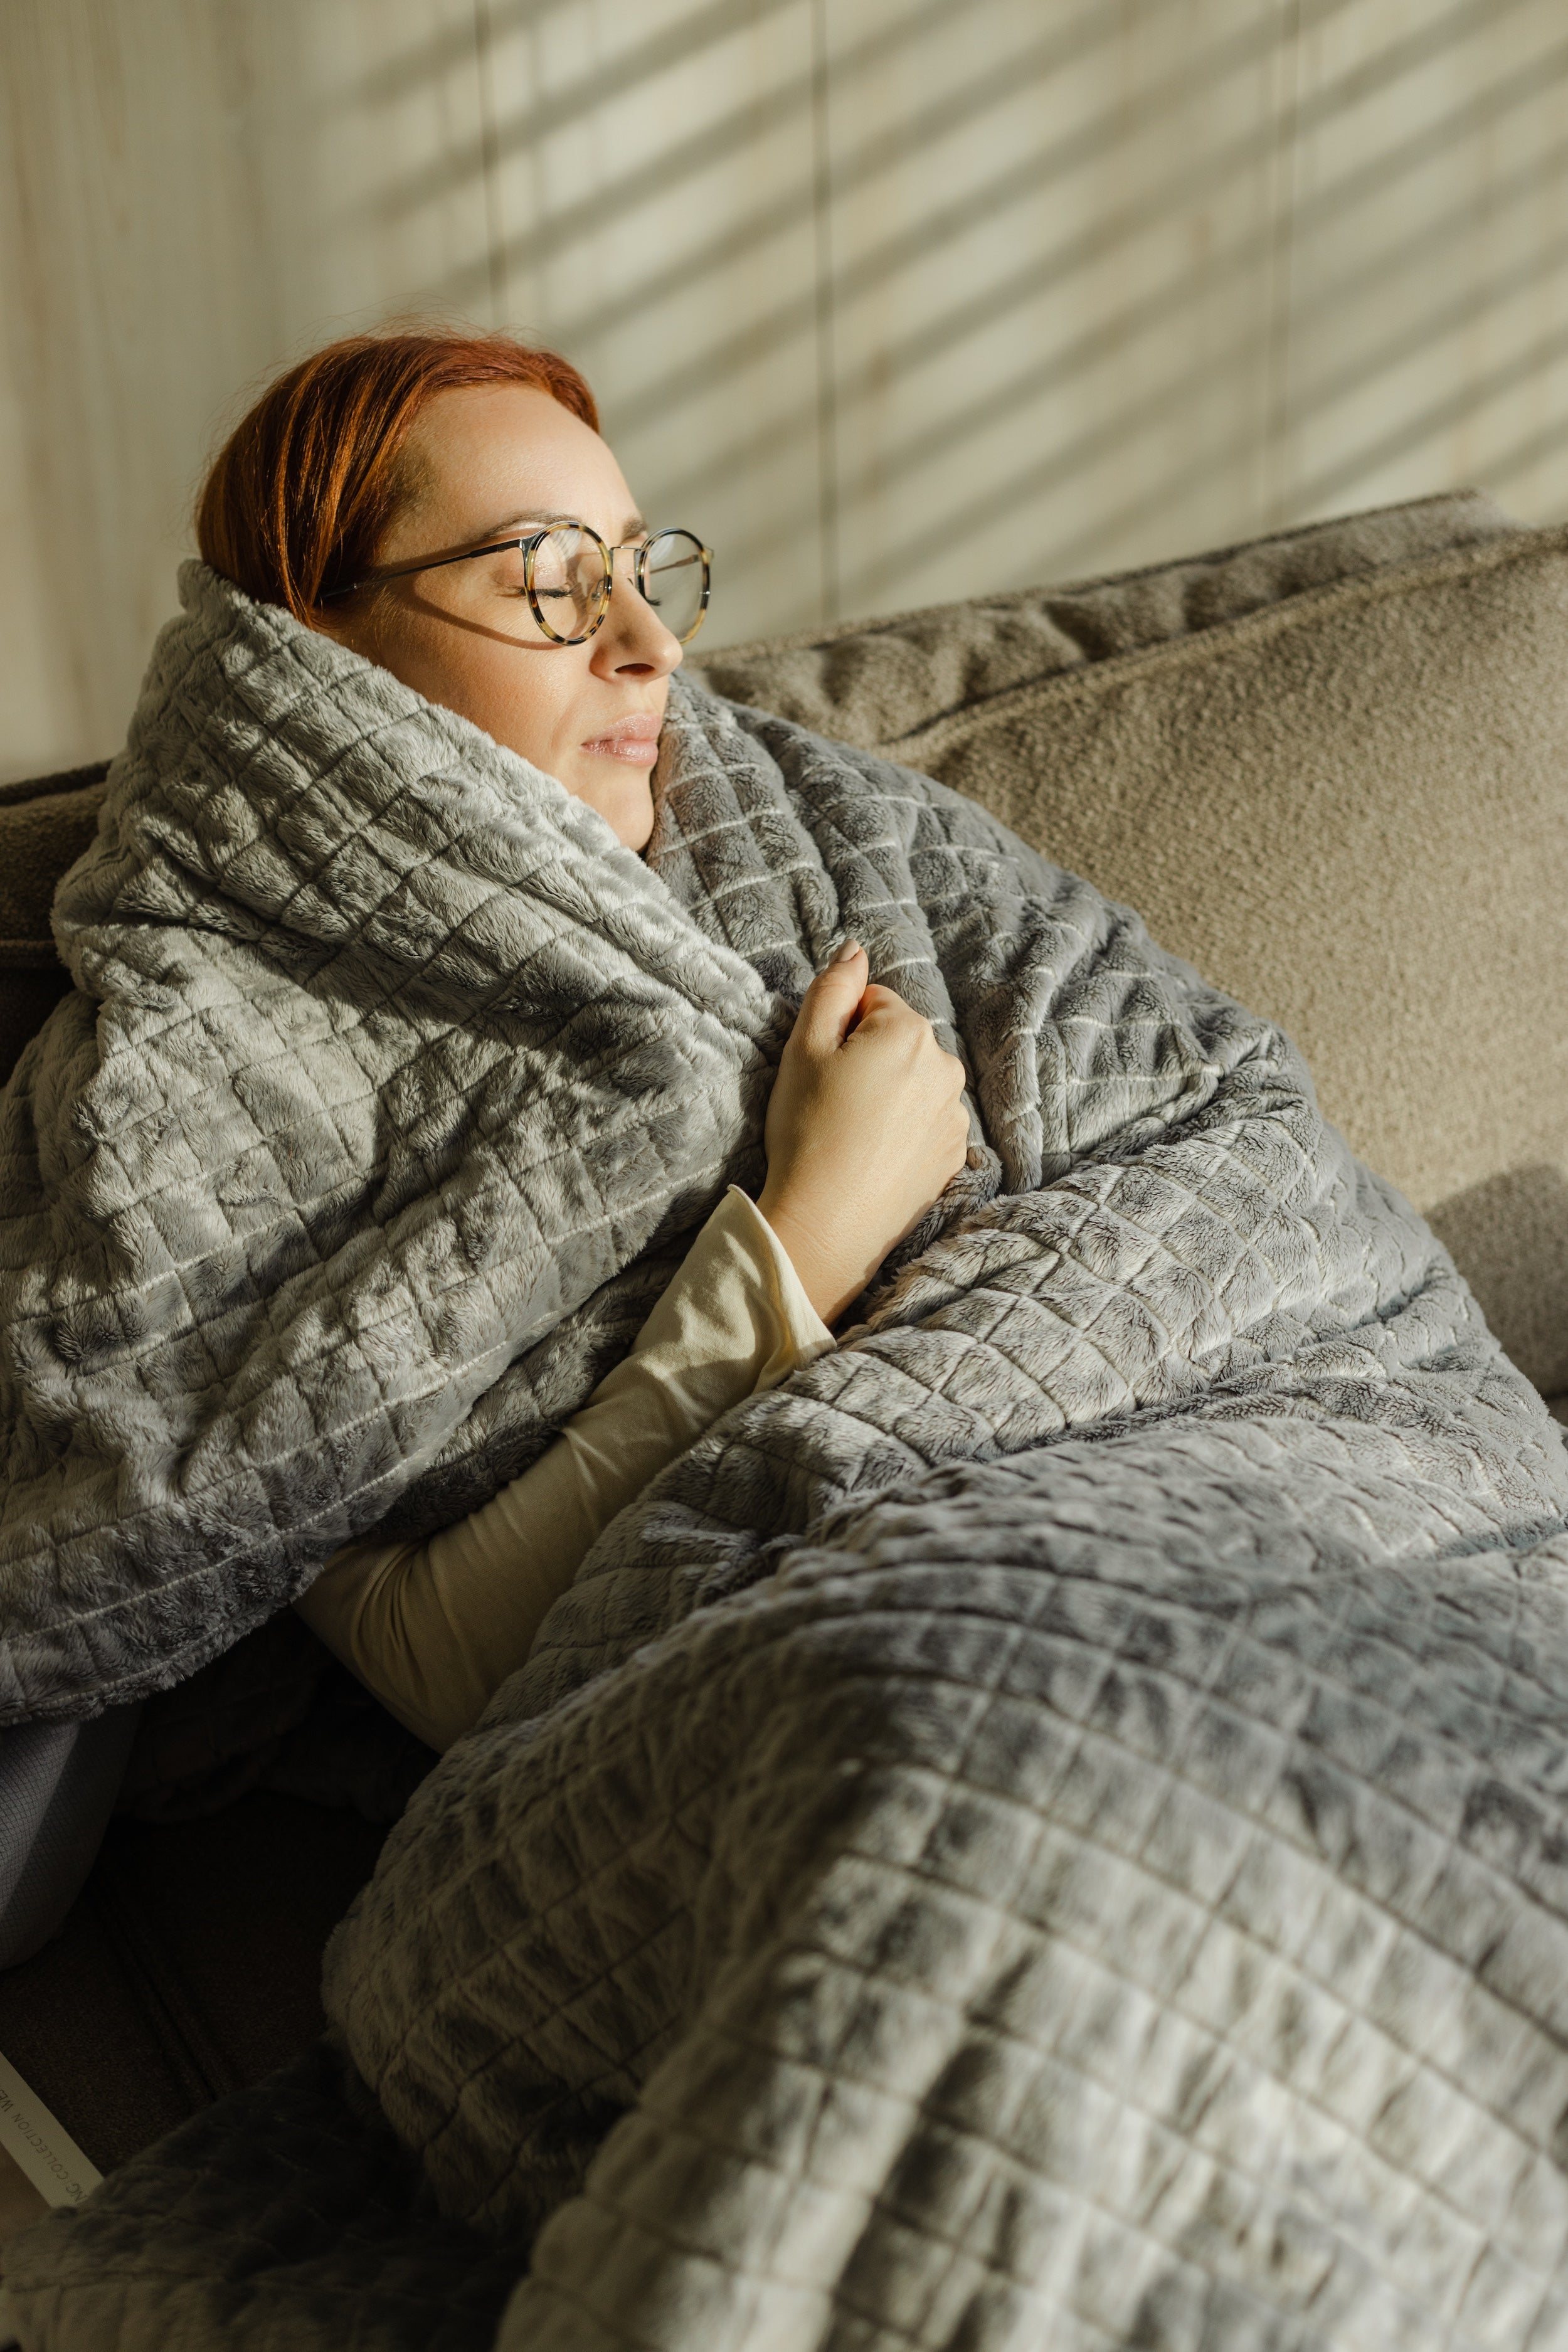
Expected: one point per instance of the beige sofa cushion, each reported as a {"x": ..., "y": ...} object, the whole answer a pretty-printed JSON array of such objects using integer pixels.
[
  {"x": 872, "y": 682},
  {"x": 44, "y": 825},
  {"x": 1348, "y": 808}
]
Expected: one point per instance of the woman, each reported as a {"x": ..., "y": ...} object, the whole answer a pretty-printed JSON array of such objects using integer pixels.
[
  {"x": 1105, "y": 1658},
  {"x": 391, "y": 493},
  {"x": 440, "y": 512}
]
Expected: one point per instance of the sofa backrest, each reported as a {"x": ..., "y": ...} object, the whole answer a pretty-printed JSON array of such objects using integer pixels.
[
  {"x": 46, "y": 822},
  {"x": 879, "y": 682}
]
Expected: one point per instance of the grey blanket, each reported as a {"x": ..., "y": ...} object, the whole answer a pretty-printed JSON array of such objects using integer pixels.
[
  {"x": 389, "y": 1088},
  {"x": 1048, "y": 1828}
]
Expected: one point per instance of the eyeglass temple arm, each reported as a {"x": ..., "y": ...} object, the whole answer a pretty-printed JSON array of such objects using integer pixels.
[{"x": 431, "y": 564}]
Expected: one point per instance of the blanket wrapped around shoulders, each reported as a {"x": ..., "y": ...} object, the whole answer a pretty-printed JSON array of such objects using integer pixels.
[
  {"x": 390, "y": 1084},
  {"x": 1047, "y": 1827}
]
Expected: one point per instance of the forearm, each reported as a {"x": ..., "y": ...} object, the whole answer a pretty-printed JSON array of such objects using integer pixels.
[{"x": 435, "y": 1628}]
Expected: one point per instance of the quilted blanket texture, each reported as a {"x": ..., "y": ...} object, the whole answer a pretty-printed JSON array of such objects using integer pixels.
[{"x": 1049, "y": 1829}]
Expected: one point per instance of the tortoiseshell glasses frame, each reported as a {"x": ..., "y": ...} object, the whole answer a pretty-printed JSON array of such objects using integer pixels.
[{"x": 666, "y": 549}]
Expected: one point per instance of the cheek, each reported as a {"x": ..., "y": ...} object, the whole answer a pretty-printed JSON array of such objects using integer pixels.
[{"x": 524, "y": 698}]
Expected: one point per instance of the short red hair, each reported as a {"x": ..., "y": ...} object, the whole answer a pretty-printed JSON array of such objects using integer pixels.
[{"x": 301, "y": 493}]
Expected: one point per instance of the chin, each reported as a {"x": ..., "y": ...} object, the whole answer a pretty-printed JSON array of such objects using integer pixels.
[{"x": 624, "y": 801}]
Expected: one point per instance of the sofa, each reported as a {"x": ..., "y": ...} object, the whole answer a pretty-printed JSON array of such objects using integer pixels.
[{"x": 1374, "y": 707}]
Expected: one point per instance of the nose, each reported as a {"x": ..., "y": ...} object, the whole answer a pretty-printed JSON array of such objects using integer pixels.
[{"x": 632, "y": 641}]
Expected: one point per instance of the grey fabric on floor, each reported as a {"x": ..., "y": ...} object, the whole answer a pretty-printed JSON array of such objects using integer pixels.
[
  {"x": 59, "y": 1782},
  {"x": 1049, "y": 1827},
  {"x": 277, "y": 2269}
]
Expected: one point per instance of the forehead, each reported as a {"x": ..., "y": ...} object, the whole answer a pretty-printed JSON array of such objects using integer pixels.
[{"x": 481, "y": 454}]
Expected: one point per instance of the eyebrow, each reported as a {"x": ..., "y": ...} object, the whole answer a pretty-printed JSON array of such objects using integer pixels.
[{"x": 633, "y": 524}]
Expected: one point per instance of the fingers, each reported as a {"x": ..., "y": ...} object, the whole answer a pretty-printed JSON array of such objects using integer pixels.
[
  {"x": 843, "y": 997},
  {"x": 832, "y": 1000},
  {"x": 884, "y": 1009}
]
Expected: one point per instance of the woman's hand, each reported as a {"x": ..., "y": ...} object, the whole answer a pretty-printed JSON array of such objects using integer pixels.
[{"x": 866, "y": 1125}]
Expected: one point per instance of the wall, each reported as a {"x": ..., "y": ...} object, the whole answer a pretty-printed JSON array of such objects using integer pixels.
[{"x": 894, "y": 299}]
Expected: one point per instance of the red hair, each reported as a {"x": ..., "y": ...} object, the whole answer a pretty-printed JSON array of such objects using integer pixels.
[{"x": 301, "y": 493}]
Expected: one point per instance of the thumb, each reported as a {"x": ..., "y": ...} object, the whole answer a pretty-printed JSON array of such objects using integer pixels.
[{"x": 832, "y": 1000}]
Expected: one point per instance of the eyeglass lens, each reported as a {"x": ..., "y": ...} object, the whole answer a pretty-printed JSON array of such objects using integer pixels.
[
  {"x": 568, "y": 584},
  {"x": 569, "y": 581},
  {"x": 674, "y": 582}
]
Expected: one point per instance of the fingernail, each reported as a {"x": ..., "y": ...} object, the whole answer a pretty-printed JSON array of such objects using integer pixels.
[{"x": 850, "y": 949}]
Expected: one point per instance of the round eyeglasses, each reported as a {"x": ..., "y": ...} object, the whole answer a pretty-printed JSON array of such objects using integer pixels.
[{"x": 567, "y": 575}]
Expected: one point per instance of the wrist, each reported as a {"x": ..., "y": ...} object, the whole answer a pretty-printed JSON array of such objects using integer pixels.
[{"x": 825, "y": 1278}]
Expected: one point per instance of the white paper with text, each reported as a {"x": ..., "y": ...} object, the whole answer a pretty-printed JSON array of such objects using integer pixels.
[{"x": 40, "y": 2143}]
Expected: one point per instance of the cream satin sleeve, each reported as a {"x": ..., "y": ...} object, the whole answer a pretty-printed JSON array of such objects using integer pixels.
[{"x": 435, "y": 1628}]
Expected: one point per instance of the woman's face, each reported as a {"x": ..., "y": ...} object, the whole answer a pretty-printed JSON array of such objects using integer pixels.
[{"x": 482, "y": 461}]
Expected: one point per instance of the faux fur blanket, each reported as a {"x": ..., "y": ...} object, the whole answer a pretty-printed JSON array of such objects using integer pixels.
[
  {"x": 1048, "y": 1828},
  {"x": 329, "y": 1195}
]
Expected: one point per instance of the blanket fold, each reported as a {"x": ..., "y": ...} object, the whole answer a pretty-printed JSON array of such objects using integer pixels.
[{"x": 1046, "y": 1827}]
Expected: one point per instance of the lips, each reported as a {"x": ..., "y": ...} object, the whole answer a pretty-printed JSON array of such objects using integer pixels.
[{"x": 633, "y": 739}]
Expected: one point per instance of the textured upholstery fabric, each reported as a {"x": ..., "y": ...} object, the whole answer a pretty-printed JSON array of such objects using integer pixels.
[
  {"x": 59, "y": 1782},
  {"x": 46, "y": 822},
  {"x": 872, "y": 682},
  {"x": 1046, "y": 1828}
]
